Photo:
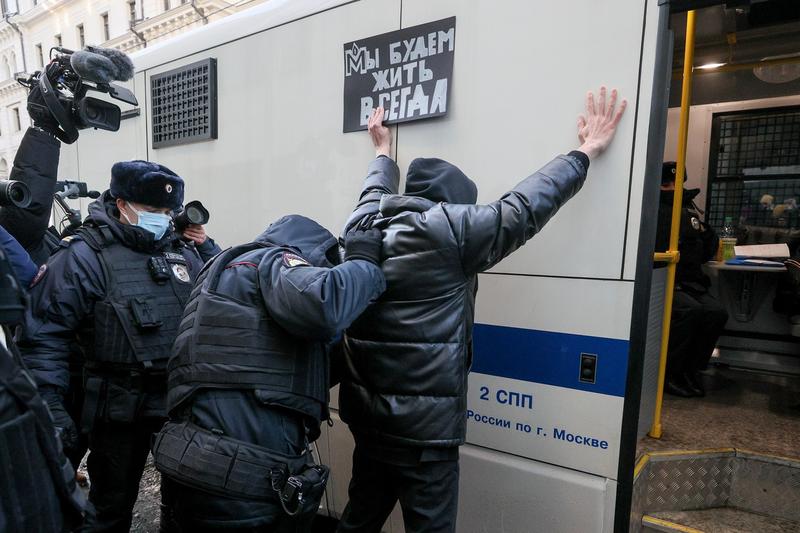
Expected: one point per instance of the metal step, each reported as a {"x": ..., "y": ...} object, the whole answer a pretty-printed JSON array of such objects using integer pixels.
[
  {"x": 718, "y": 520},
  {"x": 728, "y": 481}
]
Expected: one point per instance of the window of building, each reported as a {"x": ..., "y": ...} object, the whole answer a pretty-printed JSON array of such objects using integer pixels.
[
  {"x": 81, "y": 36},
  {"x": 15, "y": 121},
  {"x": 58, "y": 40},
  {"x": 132, "y": 11},
  {"x": 106, "y": 34},
  {"x": 40, "y": 55},
  {"x": 166, "y": 5}
]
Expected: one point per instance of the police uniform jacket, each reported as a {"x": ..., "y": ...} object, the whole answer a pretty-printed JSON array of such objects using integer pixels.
[
  {"x": 72, "y": 286},
  {"x": 40, "y": 495},
  {"x": 407, "y": 357},
  {"x": 697, "y": 242},
  {"x": 283, "y": 293}
]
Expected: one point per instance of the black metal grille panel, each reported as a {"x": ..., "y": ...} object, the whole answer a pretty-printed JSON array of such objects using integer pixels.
[
  {"x": 184, "y": 104},
  {"x": 758, "y": 140},
  {"x": 754, "y": 169},
  {"x": 771, "y": 203}
]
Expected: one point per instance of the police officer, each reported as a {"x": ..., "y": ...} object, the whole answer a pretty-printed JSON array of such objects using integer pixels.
[
  {"x": 118, "y": 287},
  {"x": 249, "y": 377},
  {"x": 37, "y": 484},
  {"x": 403, "y": 391},
  {"x": 697, "y": 317}
]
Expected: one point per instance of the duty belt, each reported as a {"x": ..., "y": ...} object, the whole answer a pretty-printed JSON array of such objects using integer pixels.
[{"x": 222, "y": 465}]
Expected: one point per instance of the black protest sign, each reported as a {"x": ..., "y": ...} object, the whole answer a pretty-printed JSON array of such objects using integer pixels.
[{"x": 409, "y": 72}]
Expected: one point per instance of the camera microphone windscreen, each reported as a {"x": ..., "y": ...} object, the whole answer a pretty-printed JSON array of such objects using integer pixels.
[{"x": 102, "y": 65}]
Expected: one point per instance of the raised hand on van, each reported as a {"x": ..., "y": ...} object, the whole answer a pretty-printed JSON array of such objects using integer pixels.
[
  {"x": 596, "y": 129},
  {"x": 380, "y": 134}
]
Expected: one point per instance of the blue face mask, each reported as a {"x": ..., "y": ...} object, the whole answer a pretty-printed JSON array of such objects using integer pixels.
[{"x": 155, "y": 223}]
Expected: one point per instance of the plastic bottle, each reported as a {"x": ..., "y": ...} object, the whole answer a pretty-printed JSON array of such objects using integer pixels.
[{"x": 727, "y": 240}]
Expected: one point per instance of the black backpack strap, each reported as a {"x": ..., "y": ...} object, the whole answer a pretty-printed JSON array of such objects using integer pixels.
[{"x": 97, "y": 236}]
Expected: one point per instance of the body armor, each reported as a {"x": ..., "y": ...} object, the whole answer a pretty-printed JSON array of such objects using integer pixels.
[
  {"x": 225, "y": 343},
  {"x": 136, "y": 324}
]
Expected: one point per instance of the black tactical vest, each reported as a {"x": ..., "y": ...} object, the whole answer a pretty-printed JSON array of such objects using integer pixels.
[
  {"x": 229, "y": 344},
  {"x": 136, "y": 324},
  {"x": 37, "y": 486}
]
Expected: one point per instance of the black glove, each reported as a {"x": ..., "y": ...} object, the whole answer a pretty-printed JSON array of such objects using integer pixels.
[
  {"x": 40, "y": 115},
  {"x": 64, "y": 424},
  {"x": 363, "y": 244}
]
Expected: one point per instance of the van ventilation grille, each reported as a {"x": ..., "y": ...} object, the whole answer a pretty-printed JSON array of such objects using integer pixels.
[{"x": 184, "y": 104}]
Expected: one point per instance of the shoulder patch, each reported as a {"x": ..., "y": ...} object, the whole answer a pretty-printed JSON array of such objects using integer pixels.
[
  {"x": 172, "y": 257},
  {"x": 66, "y": 241},
  {"x": 39, "y": 274},
  {"x": 294, "y": 260}
]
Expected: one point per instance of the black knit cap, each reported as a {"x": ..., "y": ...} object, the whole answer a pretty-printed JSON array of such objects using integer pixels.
[
  {"x": 439, "y": 181},
  {"x": 147, "y": 183}
]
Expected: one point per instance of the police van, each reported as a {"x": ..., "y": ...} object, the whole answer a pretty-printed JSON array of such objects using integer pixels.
[{"x": 252, "y": 110}]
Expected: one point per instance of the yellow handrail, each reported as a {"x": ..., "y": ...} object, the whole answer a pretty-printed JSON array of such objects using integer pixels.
[{"x": 672, "y": 255}]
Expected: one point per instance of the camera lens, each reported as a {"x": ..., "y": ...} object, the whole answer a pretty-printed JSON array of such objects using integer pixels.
[
  {"x": 16, "y": 194},
  {"x": 194, "y": 215}
]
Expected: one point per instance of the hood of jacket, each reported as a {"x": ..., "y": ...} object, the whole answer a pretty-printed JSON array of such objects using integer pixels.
[
  {"x": 103, "y": 211},
  {"x": 439, "y": 181},
  {"x": 313, "y": 242}
]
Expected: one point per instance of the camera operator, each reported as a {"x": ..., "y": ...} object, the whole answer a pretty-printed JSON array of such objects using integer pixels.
[
  {"x": 40, "y": 494},
  {"x": 36, "y": 165},
  {"x": 115, "y": 290}
]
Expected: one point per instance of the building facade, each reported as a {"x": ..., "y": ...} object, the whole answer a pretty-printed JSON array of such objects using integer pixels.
[{"x": 30, "y": 28}]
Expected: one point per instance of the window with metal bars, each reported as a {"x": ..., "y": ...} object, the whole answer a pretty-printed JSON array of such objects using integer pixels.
[
  {"x": 754, "y": 168},
  {"x": 184, "y": 104}
]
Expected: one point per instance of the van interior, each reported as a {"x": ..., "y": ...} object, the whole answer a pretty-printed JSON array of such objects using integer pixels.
[{"x": 730, "y": 461}]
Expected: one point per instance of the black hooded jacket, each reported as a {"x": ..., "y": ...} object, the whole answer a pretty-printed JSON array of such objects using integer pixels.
[{"x": 407, "y": 357}]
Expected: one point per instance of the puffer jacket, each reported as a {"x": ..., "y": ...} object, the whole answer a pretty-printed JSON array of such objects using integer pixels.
[{"x": 407, "y": 357}]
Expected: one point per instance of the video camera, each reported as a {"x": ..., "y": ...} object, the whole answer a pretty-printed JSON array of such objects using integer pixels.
[
  {"x": 14, "y": 194},
  {"x": 64, "y": 83},
  {"x": 193, "y": 213}
]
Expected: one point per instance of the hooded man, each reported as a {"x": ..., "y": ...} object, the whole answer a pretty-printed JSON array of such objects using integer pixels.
[
  {"x": 249, "y": 377},
  {"x": 403, "y": 391},
  {"x": 697, "y": 317},
  {"x": 117, "y": 288}
]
